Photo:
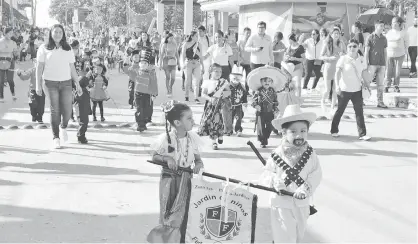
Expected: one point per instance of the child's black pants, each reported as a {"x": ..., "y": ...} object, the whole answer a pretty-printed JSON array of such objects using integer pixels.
[
  {"x": 37, "y": 105},
  {"x": 264, "y": 126}
]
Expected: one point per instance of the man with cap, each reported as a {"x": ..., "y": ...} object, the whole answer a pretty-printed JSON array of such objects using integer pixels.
[{"x": 7, "y": 48}]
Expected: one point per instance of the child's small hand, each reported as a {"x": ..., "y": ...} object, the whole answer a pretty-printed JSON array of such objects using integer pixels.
[
  {"x": 258, "y": 108},
  {"x": 300, "y": 194},
  {"x": 171, "y": 163},
  {"x": 197, "y": 168}
]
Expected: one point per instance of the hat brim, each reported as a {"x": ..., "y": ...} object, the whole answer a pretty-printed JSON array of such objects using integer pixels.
[
  {"x": 308, "y": 116},
  {"x": 279, "y": 77}
]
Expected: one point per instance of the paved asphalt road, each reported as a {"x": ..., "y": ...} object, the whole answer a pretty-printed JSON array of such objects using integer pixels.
[{"x": 106, "y": 192}]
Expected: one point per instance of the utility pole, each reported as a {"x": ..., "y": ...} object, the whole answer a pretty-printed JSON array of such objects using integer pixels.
[
  {"x": 12, "y": 21},
  {"x": 34, "y": 12}
]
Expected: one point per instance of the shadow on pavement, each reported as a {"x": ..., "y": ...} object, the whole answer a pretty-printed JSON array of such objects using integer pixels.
[
  {"x": 4, "y": 149},
  {"x": 9, "y": 183},
  {"x": 348, "y": 138},
  {"x": 362, "y": 152},
  {"x": 54, "y": 226},
  {"x": 74, "y": 169}
]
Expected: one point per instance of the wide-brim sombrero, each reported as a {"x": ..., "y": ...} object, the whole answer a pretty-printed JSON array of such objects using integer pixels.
[
  {"x": 294, "y": 113},
  {"x": 280, "y": 78}
]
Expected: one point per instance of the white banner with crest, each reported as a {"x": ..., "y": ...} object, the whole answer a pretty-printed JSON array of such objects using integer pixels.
[{"x": 221, "y": 212}]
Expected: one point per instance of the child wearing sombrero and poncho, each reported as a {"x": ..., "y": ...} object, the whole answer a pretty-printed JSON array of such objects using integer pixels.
[
  {"x": 294, "y": 167},
  {"x": 265, "y": 81}
]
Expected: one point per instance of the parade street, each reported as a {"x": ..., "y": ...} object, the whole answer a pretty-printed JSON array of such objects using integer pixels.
[{"x": 105, "y": 191}]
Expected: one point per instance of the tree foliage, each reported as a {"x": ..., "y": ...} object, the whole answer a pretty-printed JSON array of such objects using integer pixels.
[
  {"x": 400, "y": 7},
  {"x": 108, "y": 13}
]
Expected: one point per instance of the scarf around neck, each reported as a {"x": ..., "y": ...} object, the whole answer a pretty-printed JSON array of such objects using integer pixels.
[{"x": 292, "y": 153}]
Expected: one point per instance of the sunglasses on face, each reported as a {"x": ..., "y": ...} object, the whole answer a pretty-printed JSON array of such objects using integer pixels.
[{"x": 352, "y": 46}]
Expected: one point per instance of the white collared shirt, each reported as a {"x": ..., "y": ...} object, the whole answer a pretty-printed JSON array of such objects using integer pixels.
[
  {"x": 220, "y": 55},
  {"x": 264, "y": 56}
]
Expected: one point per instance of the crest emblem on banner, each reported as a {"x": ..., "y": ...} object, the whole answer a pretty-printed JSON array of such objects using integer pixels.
[{"x": 214, "y": 223}]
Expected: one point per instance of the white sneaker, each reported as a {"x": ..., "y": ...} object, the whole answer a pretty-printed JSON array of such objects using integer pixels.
[
  {"x": 365, "y": 138},
  {"x": 64, "y": 135},
  {"x": 335, "y": 135},
  {"x": 57, "y": 143},
  {"x": 14, "y": 98}
]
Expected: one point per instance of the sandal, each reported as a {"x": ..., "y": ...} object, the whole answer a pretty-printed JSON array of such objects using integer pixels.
[{"x": 215, "y": 146}]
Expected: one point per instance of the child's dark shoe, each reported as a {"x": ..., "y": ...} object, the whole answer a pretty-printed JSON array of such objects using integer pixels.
[
  {"x": 102, "y": 119},
  {"x": 220, "y": 141},
  {"x": 82, "y": 140},
  {"x": 40, "y": 121}
]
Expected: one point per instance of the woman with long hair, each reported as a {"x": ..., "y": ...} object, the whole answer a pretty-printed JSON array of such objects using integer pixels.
[
  {"x": 332, "y": 50},
  {"x": 313, "y": 47},
  {"x": 191, "y": 57},
  {"x": 55, "y": 66},
  {"x": 168, "y": 60},
  {"x": 294, "y": 57}
]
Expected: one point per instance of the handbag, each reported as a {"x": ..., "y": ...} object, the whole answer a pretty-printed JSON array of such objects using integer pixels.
[
  {"x": 5, "y": 64},
  {"x": 365, "y": 90}
]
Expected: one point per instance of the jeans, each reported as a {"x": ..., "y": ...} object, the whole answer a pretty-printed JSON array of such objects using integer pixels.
[
  {"x": 357, "y": 100},
  {"x": 170, "y": 77},
  {"x": 412, "y": 50},
  {"x": 379, "y": 71},
  {"x": 309, "y": 68},
  {"x": 37, "y": 105},
  {"x": 193, "y": 70},
  {"x": 7, "y": 76},
  {"x": 394, "y": 67},
  {"x": 60, "y": 96}
]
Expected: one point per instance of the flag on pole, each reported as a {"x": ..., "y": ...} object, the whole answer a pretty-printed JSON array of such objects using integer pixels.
[{"x": 284, "y": 24}]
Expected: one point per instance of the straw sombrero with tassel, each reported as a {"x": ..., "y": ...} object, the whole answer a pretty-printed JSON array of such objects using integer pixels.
[{"x": 280, "y": 78}]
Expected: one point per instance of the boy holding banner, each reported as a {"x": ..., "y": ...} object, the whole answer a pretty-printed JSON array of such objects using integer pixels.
[{"x": 293, "y": 166}]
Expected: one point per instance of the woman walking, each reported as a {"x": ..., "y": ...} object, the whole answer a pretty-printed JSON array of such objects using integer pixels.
[
  {"x": 56, "y": 67},
  {"x": 191, "y": 56},
  {"x": 313, "y": 48},
  {"x": 396, "y": 51},
  {"x": 331, "y": 51},
  {"x": 348, "y": 84},
  {"x": 294, "y": 61},
  {"x": 220, "y": 52},
  {"x": 169, "y": 59}
]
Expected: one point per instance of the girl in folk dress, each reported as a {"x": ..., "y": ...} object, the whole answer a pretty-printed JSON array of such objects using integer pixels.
[
  {"x": 179, "y": 147},
  {"x": 293, "y": 166},
  {"x": 99, "y": 85},
  {"x": 212, "y": 124}
]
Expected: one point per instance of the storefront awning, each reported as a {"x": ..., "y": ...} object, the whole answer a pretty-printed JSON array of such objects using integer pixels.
[
  {"x": 233, "y": 5},
  {"x": 16, "y": 14}
]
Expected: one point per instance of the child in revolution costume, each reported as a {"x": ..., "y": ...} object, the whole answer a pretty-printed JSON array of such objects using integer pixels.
[
  {"x": 179, "y": 147},
  {"x": 212, "y": 124},
  {"x": 293, "y": 166},
  {"x": 146, "y": 87},
  {"x": 238, "y": 99},
  {"x": 265, "y": 81}
]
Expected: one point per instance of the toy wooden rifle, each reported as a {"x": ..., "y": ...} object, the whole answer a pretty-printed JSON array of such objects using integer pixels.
[{"x": 312, "y": 209}]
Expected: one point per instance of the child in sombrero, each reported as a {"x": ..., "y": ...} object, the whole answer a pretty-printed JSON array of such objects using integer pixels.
[
  {"x": 293, "y": 166},
  {"x": 265, "y": 81}
]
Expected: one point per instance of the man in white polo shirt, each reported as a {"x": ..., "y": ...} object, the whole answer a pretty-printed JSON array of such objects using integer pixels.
[{"x": 261, "y": 48}]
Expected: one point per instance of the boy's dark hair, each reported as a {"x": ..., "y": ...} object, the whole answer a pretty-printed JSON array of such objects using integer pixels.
[
  {"x": 175, "y": 113},
  {"x": 247, "y": 29},
  {"x": 75, "y": 44},
  {"x": 353, "y": 41},
  {"x": 214, "y": 65},
  {"x": 202, "y": 28},
  {"x": 379, "y": 22},
  {"x": 262, "y": 23},
  {"x": 288, "y": 124}
]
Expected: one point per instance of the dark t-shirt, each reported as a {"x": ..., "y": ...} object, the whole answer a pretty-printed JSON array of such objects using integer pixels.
[
  {"x": 296, "y": 53},
  {"x": 377, "y": 45}
]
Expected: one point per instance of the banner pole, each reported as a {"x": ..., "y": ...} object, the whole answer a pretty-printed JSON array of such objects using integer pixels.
[{"x": 281, "y": 192}]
